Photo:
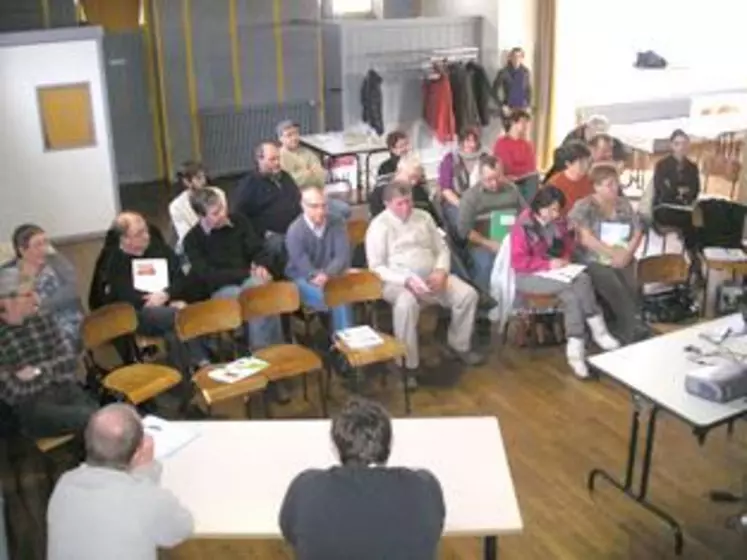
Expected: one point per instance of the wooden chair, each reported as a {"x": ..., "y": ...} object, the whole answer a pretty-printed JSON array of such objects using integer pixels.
[
  {"x": 365, "y": 287},
  {"x": 217, "y": 319},
  {"x": 723, "y": 167},
  {"x": 286, "y": 360},
  {"x": 135, "y": 383},
  {"x": 668, "y": 269},
  {"x": 357, "y": 232}
]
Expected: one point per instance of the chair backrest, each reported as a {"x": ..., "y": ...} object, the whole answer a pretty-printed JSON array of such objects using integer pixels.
[
  {"x": 213, "y": 316},
  {"x": 108, "y": 323},
  {"x": 357, "y": 232},
  {"x": 273, "y": 298},
  {"x": 352, "y": 287},
  {"x": 662, "y": 269}
]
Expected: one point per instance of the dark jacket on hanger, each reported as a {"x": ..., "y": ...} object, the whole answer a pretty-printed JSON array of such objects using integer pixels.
[
  {"x": 371, "y": 101},
  {"x": 483, "y": 93},
  {"x": 465, "y": 107},
  {"x": 513, "y": 87}
]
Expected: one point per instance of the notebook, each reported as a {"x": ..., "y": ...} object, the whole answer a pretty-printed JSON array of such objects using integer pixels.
[
  {"x": 168, "y": 437},
  {"x": 238, "y": 370},
  {"x": 501, "y": 222},
  {"x": 359, "y": 338}
]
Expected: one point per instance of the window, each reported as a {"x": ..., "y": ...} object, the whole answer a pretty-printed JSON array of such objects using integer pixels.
[{"x": 352, "y": 7}]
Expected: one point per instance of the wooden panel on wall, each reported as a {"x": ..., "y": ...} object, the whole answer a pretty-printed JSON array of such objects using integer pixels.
[
  {"x": 66, "y": 116},
  {"x": 113, "y": 15}
]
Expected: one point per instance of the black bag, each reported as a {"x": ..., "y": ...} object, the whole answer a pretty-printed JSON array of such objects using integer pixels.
[{"x": 672, "y": 305}]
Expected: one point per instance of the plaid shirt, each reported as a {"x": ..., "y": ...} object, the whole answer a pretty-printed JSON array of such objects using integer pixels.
[{"x": 37, "y": 343}]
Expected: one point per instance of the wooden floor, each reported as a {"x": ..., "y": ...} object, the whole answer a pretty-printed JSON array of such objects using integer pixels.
[{"x": 555, "y": 429}]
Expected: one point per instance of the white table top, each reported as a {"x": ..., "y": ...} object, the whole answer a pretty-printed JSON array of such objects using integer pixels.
[
  {"x": 656, "y": 369},
  {"x": 234, "y": 476},
  {"x": 645, "y": 135},
  {"x": 338, "y": 143}
]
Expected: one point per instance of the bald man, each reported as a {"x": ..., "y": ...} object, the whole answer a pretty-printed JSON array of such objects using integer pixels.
[
  {"x": 156, "y": 308},
  {"x": 112, "y": 506}
]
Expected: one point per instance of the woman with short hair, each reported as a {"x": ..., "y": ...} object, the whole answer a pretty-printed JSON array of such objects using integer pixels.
[{"x": 458, "y": 171}]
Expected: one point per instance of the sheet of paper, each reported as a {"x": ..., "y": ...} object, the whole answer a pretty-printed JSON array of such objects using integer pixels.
[
  {"x": 150, "y": 275},
  {"x": 614, "y": 233},
  {"x": 359, "y": 338},
  {"x": 238, "y": 370},
  {"x": 724, "y": 254},
  {"x": 565, "y": 274},
  {"x": 168, "y": 438}
]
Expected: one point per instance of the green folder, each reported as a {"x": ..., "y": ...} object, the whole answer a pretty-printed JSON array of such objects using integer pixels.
[{"x": 501, "y": 222}]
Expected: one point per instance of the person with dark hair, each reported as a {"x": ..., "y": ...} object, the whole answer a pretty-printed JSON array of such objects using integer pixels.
[
  {"x": 513, "y": 85},
  {"x": 541, "y": 241},
  {"x": 600, "y": 147},
  {"x": 609, "y": 232},
  {"x": 398, "y": 145},
  {"x": 573, "y": 180},
  {"x": 38, "y": 366},
  {"x": 458, "y": 171},
  {"x": 269, "y": 198},
  {"x": 371, "y": 511},
  {"x": 492, "y": 193},
  {"x": 405, "y": 248},
  {"x": 190, "y": 177},
  {"x": 112, "y": 505},
  {"x": 50, "y": 277},
  {"x": 517, "y": 156},
  {"x": 676, "y": 188}
]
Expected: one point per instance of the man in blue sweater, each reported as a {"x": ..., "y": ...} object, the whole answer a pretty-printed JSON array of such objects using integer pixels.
[{"x": 318, "y": 248}]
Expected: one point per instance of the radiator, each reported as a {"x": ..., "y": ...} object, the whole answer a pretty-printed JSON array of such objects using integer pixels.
[{"x": 230, "y": 134}]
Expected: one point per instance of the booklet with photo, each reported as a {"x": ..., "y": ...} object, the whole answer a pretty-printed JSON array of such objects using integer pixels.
[
  {"x": 359, "y": 338},
  {"x": 150, "y": 275},
  {"x": 238, "y": 370}
]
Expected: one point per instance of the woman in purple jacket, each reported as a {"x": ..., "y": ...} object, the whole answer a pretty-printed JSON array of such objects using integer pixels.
[
  {"x": 542, "y": 242},
  {"x": 458, "y": 171}
]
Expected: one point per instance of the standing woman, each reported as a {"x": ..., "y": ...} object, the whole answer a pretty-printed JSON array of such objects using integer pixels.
[
  {"x": 459, "y": 170},
  {"x": 51, "y": 277},
  {"x": 676, "y": 188},
  {"x": 541, "y": 241}
]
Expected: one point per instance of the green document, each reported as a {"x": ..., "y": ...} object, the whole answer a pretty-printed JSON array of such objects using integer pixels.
[{"x": 501, "y": 222}]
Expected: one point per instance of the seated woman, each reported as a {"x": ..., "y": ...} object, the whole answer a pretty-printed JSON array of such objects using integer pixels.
[
  {"x": 459, "y": 170},
  {"x": 573, "y": 180},
  {"x": 676, "y": 188},
  {"x": 398, "y": 146},
  {"x": 190, "y": 177},
  {"x": 609, "y": 232},
  {"x": 51, "y": 277},
  {"x": 541, "y": 241}
]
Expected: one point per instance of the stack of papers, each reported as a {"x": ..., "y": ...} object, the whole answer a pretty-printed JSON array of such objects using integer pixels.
[
  {"x": 150, "y": 275},
  {"x": 565, "y": 274},
  {"x": 168, "y": 437},
  {"x": 722, "y": 254},
  {"x": 237, "y": 370},
  {"x": 359, "y": 338}
]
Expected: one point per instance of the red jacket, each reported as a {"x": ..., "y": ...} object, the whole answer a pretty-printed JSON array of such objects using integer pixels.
[
  {"x": 529, "y": 248},
  {"x": 438, "y": 105}
]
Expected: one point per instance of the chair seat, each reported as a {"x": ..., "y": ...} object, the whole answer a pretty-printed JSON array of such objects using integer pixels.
[
  {"x": 528, "y": 301},
  {"x": 141, "y": 382},
  {"x": 390, "y": 349},
  {"x": 48, "y": 444},
  {"x": 288, "y": 360},
  {"x": 215, "y": 391}
]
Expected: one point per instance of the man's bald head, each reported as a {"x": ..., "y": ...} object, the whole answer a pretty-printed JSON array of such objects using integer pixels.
[
  {"x": 132, "y": 231},
  {"x": 113, "y": 436}
]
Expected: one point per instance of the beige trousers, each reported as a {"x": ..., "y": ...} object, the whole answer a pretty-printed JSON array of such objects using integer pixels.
[{"x": 459, "y": 297}]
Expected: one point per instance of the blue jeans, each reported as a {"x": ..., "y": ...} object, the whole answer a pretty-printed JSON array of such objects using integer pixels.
[
  {"x": 339, "y": 208},
  {"x": 482, "y": 267},
  {"x": 313, "y": 296},
  {"x": 260, "y": 332},
  {"x": 451, "y": 214}
]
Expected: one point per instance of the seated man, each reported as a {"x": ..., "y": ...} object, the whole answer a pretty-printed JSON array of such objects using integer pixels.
[
  {"x": 304, "y": 166},
  {"x": 318, "y": 248},
  {"x": 493, "y": 193},
  {"x": 38, "y": 366},
  {"x": 112, "y": 506},
  {"x": 156, "y": 311},
  {"x": 398, "y": 146},
  {"x": 405, "y": 248},
  {"x": 371, "y": 511},
  {"x": 269, "y": 198},
  {"x": 516, "y": 154}
]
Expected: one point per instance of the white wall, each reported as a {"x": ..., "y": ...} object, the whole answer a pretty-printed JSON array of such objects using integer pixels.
[{"x": 69, "y": 193}]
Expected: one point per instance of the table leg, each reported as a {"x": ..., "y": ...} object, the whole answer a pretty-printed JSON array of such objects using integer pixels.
[
  {"x": 490, "y": 549},
  {"x": 626, "y": 487}
]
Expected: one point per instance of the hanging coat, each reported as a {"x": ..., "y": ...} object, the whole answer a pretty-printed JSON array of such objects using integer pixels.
[
  {"x": 465, "y": 107},
  {"x": 483, "y": 92},
  {"x": 438, "y": 108},
  {"x": 371, "y": 101}
]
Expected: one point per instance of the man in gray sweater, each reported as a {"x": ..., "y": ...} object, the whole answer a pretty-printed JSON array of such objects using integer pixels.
[{"x": 111, "y": 507}]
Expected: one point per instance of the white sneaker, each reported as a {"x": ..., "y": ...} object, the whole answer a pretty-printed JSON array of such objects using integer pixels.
[
  {"x": 575, "y": 352},
  {"x": 600, "y": 334}
]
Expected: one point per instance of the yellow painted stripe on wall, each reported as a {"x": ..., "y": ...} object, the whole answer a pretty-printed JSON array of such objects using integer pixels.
[
  {"x": 191, "y": 82},
  {"x": 233, "y": 33},
  {"x": 152, "y": 87},
  {"x": 277, "y": 11},
  {"x": 45, "y": 13},
  {"x": 320, "y": 71},
  {"x": 162, "y": 88}
]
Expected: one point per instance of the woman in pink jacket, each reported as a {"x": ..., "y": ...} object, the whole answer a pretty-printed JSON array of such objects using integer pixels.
[{"x": 541, "y": 242}]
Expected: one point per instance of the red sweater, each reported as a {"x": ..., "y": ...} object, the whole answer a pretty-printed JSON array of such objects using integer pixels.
[
  {"x": 516, "y": 154},
  {"x": 573, "y": 190}
]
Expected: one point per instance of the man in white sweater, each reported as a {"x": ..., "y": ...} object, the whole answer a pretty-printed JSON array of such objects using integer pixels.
[
  {"x": 111, "y": 507},
  {"x": 405, "y": 248}
]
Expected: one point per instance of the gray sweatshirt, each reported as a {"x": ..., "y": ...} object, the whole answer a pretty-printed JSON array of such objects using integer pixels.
[{"x": 98, "y": 513}]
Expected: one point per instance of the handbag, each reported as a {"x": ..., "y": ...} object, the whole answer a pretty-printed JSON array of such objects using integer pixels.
[{"x": 672, "y": 305}]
